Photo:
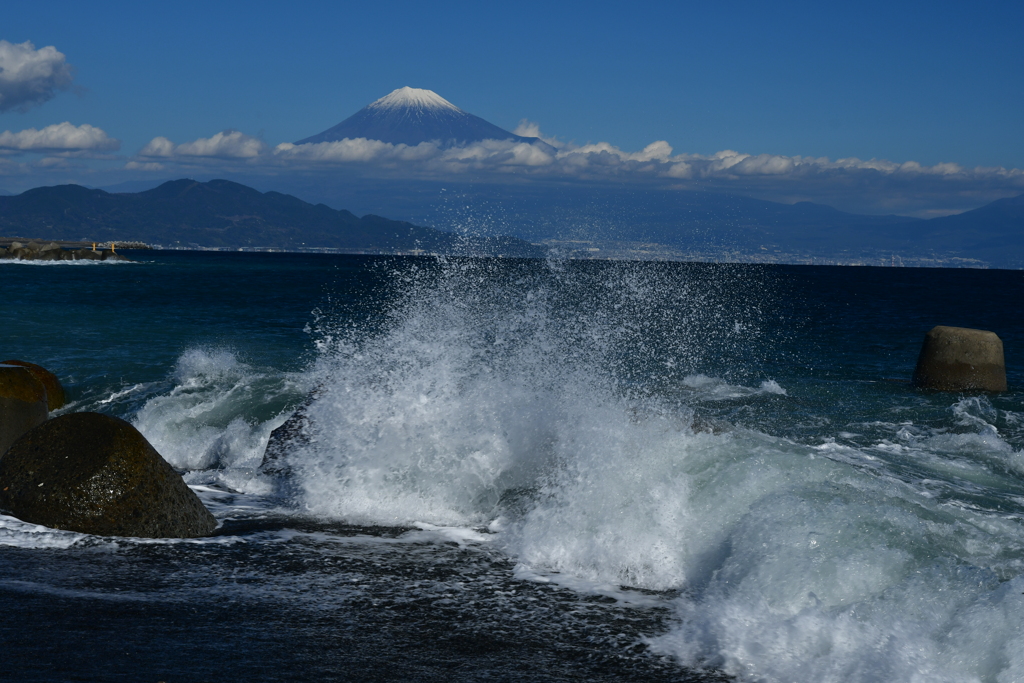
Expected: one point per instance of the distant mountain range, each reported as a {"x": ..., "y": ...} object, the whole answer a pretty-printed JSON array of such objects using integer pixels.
[
  {"x": 711, "y": 223},
  {"x": 994, "y": 232},
  {"x": 701, "y": 224},
  {"x": 513, "y": 216},
  {"x": 584, "y": 219},
  {"x": 224, "y": 214},
  {"x": 410, "y": 116},
  {"x": 694, "y": 222}
]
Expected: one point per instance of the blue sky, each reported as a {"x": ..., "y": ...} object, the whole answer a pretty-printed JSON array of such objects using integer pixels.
[{"x": 903, "y": 82}]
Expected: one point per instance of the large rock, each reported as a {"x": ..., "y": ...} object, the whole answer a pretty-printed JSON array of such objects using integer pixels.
[
  {"x": 50, "y": 252},
  {"x": 961, "y": 359},
  {"x": 97, "y": 474},
  {"x": 293, "y": 434},
  {"x": 54, "y": 391},
  {"x": 22, "y": 404},
  {"x": 87, "y": 254}
]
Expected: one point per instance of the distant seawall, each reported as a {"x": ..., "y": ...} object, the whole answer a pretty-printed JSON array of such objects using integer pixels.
[{"x": 6, "y": 242}]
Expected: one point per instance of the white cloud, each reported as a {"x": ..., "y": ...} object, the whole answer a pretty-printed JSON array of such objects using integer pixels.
[
  {"x": 849, "y": 183},
  {"x": 496, "y": 154},
  {"x": 424, "y": 156},
  {"x": 680, "y": 169},
  {"x": 158, "y": 147},
  {"x": 231, "y": 144},
  {"x": 144, "y": 166},
  {"x": 656, "y": 151},
  {"x": 29, "y": 76},
  {"x": 593, "y": 159},
  {"x": 874, "y": 185},
  {"x": 730, "y": 164},
  {"x": 356, "y": 150},
  {"x": 529, "y": 129},
  {"x": 60, "y": 137},
  {"x": 763, "y": 164}
]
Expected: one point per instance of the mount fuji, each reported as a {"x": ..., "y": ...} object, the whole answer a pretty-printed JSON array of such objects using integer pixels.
[{"x": 410, "y": 116}]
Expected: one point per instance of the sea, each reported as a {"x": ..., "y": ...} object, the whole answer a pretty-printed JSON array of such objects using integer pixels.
[{"x": 529, "y": 470}]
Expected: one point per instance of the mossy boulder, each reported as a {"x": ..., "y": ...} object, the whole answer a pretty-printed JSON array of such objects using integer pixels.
[
  {"x": 54, "y": 391},
  {"x": 97, "y": 474},
  {"x": 22, "y": 404},
  {"x": 961, "y": 359}
]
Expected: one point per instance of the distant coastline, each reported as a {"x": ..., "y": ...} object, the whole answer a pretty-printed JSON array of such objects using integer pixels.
[
  {"x": 6, "y": 242},
  {"x": 577, "y": 250},
  {"x": 221, "y": 215}
]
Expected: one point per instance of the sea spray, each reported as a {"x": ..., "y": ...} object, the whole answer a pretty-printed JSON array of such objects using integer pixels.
[
  {"x": 618, "y": 425},
  {"x": 215, "y": 420},
  {"x": 556, "y": 407},
  {"x": 490, "y": 376}
]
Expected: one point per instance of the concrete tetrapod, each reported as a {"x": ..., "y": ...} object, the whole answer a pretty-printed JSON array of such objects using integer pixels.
[
  {"x": 97, "y": 474},
  {"x": 961, "y": 359},
  {"x": 54, "y": 391},
  {"x": 22, "y": 403}
]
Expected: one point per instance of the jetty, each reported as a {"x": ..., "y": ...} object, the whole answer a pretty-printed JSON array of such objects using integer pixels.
[{"x": 23, "y": 249}]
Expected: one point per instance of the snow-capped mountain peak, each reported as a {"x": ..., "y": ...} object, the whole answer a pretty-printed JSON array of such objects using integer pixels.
[
  {"x": 413, "y": 97},
  {"x": 411, "y": 116}
]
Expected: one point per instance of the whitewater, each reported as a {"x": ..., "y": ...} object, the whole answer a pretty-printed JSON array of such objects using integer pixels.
[{"x": 622, "y": 471}]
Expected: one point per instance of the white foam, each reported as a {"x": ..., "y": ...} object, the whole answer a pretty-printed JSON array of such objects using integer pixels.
[
  {"x": 14, "y": 532},
  {"x": 770, "y": 386},
  {"x": 974, "y": 449},
  {"x": 578, "y": 584},
  {"x": 460, "y": 535},
  {"x": 78, "y": 262},
  {"x": 476, "y": 407},
  {"x": 206, "y": 421},
  {"x": 716, "y": 389},
  {"x": 117, "y": 395}
]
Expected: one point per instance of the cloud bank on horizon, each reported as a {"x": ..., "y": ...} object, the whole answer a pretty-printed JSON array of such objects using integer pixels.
[
  {"x": 30, "y": 76},
  {"x": 790, "y": 178}
]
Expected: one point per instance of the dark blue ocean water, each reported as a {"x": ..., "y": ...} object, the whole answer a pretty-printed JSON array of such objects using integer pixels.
[{"x": 530, "y": 470}]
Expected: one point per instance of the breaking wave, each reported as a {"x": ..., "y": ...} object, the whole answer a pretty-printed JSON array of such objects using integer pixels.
[{"x": 563, "y": 414}]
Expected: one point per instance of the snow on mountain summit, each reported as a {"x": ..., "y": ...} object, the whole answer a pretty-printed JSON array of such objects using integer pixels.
[
  {"x": 413, "y": 97},
  {"x": 410, "y": 116}
]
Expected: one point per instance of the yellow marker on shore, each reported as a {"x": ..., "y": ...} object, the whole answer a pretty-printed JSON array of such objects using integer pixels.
[
  {"x": 112, "y": 249},
  {"x": 94, "y": 246}
]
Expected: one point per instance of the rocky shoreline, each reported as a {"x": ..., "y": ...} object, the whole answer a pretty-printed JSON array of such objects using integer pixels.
[
  {"x": 85, "y": 472},
  {"x": 53, "y": 251}
]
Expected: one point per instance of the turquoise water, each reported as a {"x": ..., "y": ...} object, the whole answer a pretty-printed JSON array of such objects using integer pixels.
[{"x": 532, "y": 469}]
